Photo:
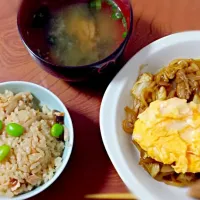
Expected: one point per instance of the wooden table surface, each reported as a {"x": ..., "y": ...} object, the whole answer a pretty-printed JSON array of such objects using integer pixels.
[{"x": 89, "y": 170}]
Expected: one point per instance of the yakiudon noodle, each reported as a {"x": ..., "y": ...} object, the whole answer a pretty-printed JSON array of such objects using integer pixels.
[{"x": 181, "y": 78}]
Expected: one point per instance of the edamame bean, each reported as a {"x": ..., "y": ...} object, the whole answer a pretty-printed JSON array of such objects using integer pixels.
[
  {"x": 14, "y": 129},
  {"x": 57, "y": 130},
  {"x": 4, "y": 151},
  {"x": 1, "y": 125}
]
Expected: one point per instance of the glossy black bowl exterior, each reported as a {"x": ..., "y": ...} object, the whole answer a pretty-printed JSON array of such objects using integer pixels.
[{"x": 32, "y": 39}]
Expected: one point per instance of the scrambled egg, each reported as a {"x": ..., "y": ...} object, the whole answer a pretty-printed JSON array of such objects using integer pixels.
[{"x": 169, "y": 131}]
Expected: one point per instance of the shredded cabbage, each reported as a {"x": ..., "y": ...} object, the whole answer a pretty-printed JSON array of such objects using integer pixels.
[{"x": 144, "y": 81}]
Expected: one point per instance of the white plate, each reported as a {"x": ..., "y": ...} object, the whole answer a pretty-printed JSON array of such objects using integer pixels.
[
  {"x": 45, "y": 97},
  {"x": 122, "y": 153}
]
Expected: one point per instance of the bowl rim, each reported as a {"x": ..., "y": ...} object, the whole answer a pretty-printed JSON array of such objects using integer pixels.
[
  {"x": 110, "y": 102},
  {"x": 71, "y": 142},
  {"x": 96, "y": 64}
]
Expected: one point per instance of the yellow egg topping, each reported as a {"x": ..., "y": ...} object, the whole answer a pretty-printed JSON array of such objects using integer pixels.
[{"x": 169, "y": 131}]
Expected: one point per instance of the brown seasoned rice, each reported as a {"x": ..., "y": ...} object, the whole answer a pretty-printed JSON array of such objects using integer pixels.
[{"x": 34, "y": 156}]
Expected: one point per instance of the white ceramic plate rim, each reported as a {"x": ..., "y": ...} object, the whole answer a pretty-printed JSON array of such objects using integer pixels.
[
  {"x": 109, "y": 107},
  {"x": 71, "y": 141}
]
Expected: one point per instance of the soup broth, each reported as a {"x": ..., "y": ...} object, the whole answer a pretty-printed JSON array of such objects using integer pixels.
[{"x": 82, "y": 34}]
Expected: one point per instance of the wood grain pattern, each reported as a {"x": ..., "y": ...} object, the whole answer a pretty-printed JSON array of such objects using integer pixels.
[{"x": 89, "y": 170}]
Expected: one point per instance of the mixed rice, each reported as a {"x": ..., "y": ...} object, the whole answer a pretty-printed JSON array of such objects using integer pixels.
[{"x": 35, "y": 156}]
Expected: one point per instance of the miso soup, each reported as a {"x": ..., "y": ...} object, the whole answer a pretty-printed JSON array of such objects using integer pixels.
[{"x": 82, "y": 34}]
